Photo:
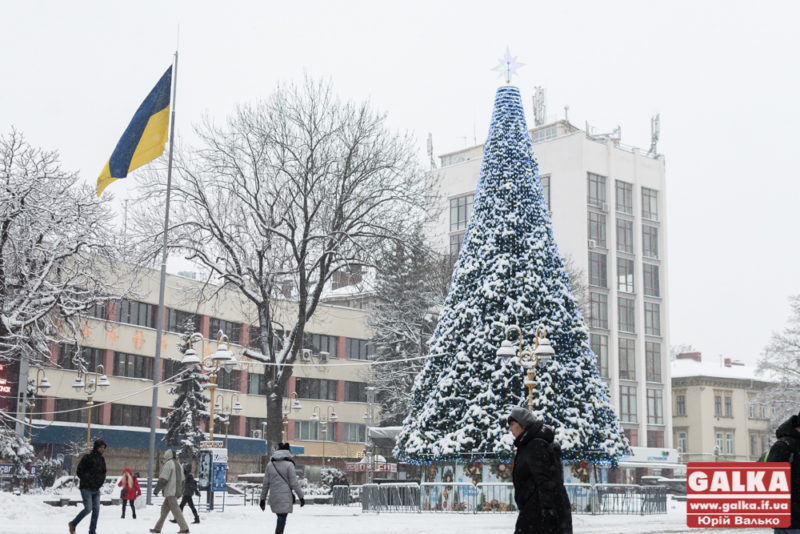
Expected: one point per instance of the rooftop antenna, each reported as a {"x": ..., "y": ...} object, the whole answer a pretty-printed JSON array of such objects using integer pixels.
[
  {"x": 566, "y": 113},
  {"x": 539, "y": 106},
  {"x": 655, "y": 132},
  {"x": 430, "y": 150}
]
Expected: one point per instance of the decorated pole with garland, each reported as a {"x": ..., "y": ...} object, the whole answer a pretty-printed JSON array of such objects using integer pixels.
[{"x": 508, "y": 272}]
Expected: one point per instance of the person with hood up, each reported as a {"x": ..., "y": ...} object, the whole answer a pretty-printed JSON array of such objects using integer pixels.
[
  {"x": 189, "y": 491},
  {"x": 538, "y": 477},
  {"x": 280, "y": 479},
  {"x": 787, "y": 449},
  {"x": 92, "y": 475},
  {"x": 130, "y": 490},
  {"x": 170, "y": 480}
]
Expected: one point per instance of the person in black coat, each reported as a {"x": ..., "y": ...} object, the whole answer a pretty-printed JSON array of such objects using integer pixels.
[
  {"x": 538, "y": 477},
  {"x": 787, "y": 449},
  {"x": 92, "y": 475},
  {"x": 189, "y": 491}
]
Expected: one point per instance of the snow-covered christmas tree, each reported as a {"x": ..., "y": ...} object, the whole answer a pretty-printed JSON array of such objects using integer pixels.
[
  {"x": 509, "y": 272},
  {"x": 189, "y": 408}
]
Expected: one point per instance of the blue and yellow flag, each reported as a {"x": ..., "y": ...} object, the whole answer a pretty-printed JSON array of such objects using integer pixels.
[{"x": 145, "y": 136}]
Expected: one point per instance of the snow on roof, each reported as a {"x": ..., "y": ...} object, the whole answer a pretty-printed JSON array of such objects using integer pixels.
[{"x": 683, "y": 368}]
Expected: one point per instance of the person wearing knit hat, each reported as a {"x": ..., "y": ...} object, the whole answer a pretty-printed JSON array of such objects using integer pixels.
[
  {"x": 538, "y": 477},
  {"x": 787, "y": 449}
]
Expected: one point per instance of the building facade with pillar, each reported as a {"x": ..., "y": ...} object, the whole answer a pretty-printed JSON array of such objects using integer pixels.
[
  {"x": 122, "y": 338},
  {"x": 607, "y": 203}
]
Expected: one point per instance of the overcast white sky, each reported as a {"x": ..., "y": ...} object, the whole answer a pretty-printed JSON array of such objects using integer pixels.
[{"x": 723, "y": 75}]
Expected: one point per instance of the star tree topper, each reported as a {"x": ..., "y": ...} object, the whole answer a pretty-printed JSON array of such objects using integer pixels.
[{"x": 508, "y": 66}]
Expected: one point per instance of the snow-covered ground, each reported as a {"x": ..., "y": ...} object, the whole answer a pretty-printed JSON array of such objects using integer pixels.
[{"x": 27, "y": 514}]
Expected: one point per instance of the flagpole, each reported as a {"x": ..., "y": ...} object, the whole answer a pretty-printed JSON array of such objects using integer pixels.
[{"x": 160, "y": 320}]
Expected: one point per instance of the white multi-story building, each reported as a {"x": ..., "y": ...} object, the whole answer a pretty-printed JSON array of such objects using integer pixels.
[{"x": 608, "y": 207}]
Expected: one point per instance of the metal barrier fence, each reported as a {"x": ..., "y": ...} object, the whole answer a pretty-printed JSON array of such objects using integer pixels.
[{"x": 499, "y": 497}]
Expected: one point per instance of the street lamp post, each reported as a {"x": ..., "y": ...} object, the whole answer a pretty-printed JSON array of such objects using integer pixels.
[
  {"x": 231, "y": 407},
  {"x": 288, "y": 405},
  {"x": 37, "y": 384},
  {"x": 330, "y": 417},
  {"x": 369, "y": 418},
  {"x": 89, "y": 384},
  {"x": 529, "y": 358}
]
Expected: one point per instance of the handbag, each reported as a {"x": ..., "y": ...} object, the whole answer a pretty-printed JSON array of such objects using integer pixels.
[{"x": 294, "y": 499}]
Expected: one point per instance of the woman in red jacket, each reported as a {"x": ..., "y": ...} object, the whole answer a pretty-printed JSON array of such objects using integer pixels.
[{"x": 130, "y": 490}]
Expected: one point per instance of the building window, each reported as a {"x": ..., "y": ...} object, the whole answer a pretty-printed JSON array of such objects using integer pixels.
[
  {"x": 598, "y": 310},
  {"x": 729, "y": 443},
  {"x": 651, "y": 281},
  {"x": 460, "y": 211},
  {"x": 75, "y": 411},
  {"x": 96, "y": 310},
  {"x": 627, "y": 322},
  {"x": 230, "y": 329},
  {"x": 348, "y": 275},
  {"x": 655, "y": 438},
  {"x": 133, "y": 365},
  {"x": 649, "y": 241},
  {"x": 632, "y": 436},
  {"x": 680, "y": 402},
  {"x": 358, "y": 349},
  {"x": 127, "y": 415},
  {"x": 597, "y": 270},
  {"x": 762, "y": 411},
  {"x": 649, "y": 204},
  {"x": 624, "y": 275},
  {"x": 546, "y": 191},
  {"x": 355, "y": 392},
  {"x": 597, "y": 229},
  {"x": 652, "y": 319},
  {"x": 719, "y": 444},
  {"x": 754, "y": 445},
  {"x": 256, "y": 384},
  {"x": 315, "y": 388},
  {"x": 627, "y": 359},
  {"x": 728, "y": 407},
  {"x": 228, "y": 380},
  {"x": 655, "y": 409},
  {"x": 718, "y": 405},
  {"x": 600, "y": 348},
  {"x": 136, "y": 313},
  {"x": 682, "y": 441},
  {"x": 251, "y": 424},
  {"x": 90, "y": 357},
  {"x": 354, "y": 433},
  {"x": 320, "y": 343},
  {"x": 625, "y": 236},
  {"x": 596, "y": 190},
  {"x": 627, "y": 398},
  {"x": 456, "y": 240},
  {"x": 172, "y": 368},
  {"x": 624, "y": 197},
  {"x": 310, "y": 431},
  {"x": 652, "y": 353},
  {"x": 177, "y": 320}
]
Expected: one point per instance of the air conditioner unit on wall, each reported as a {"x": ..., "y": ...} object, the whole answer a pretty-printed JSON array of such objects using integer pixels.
[
  {"x": 592, "y": 243},
  {"x": 306, "y": 355},
  {"x": 323, "y": 356},
  {"x": 256, "y": 434}
]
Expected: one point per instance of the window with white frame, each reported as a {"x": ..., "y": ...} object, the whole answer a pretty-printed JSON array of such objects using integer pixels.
[
  {"x": 355, "y": 433},
  {"x": 460, "y": 210},
  {"x": 625, "y": 275}
]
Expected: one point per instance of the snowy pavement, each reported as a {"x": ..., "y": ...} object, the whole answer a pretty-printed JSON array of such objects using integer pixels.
[{"x": 27, "y": 514}]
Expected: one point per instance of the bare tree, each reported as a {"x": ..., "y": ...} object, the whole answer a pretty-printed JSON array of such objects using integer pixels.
[
  {"x": 780, "y": 362},
  {"x": 56, "y": 251},
  {"x": 286, "y": 193},
  {"x": 577, "y": 283}
]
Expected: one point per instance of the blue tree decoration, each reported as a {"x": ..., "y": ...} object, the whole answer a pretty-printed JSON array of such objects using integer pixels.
[{"x": 509, "y": 271}]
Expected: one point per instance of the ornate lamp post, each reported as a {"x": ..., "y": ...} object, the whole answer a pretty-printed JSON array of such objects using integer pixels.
[
  {"x": 36, "y": 384},
  {"x": 211, "y": 365},
  {"x": 330, "y": 417},
  {"x": 529, "y": 358},
  {"x": 89, "y": 384},
  {"x": 231, "y": 407},
  {"x": 369, "y": 418},
  {"x": 295, "y": 405}
]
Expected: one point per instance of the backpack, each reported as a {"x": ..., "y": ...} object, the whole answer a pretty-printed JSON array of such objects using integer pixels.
[{"x": 765, "y": 455}]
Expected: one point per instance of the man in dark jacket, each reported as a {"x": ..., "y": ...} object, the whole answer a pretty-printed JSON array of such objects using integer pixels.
[
  {"x": 92, "y": 475},
  {"x": 787, "y": 449},
  {"x": 538, "y": 477},
  {"x": 189, "y": 491}
]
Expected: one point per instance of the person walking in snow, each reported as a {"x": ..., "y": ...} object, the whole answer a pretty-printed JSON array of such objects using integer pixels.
[
  {"x": 170, "y": 480},
  {"x": 538, "y": 477},
  {"x": 92, "y": 475},
  {"x": 189, "y": 491},
  {"x": 787, "y": 449},
  {"x": 280, "y": 479},
  {"x": 130, "y": 490}
]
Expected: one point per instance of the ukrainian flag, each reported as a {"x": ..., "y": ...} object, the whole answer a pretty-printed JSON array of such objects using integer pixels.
[{"x": 145, "y": 136}]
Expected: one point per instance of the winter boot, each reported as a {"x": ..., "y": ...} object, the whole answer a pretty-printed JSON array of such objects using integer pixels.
[{"x": 279, "y": 530}]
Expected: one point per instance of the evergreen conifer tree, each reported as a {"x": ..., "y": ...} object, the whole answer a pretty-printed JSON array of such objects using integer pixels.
[
  {"x": 190, "y": 406},
  {"x": 509, "y": 272}
]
